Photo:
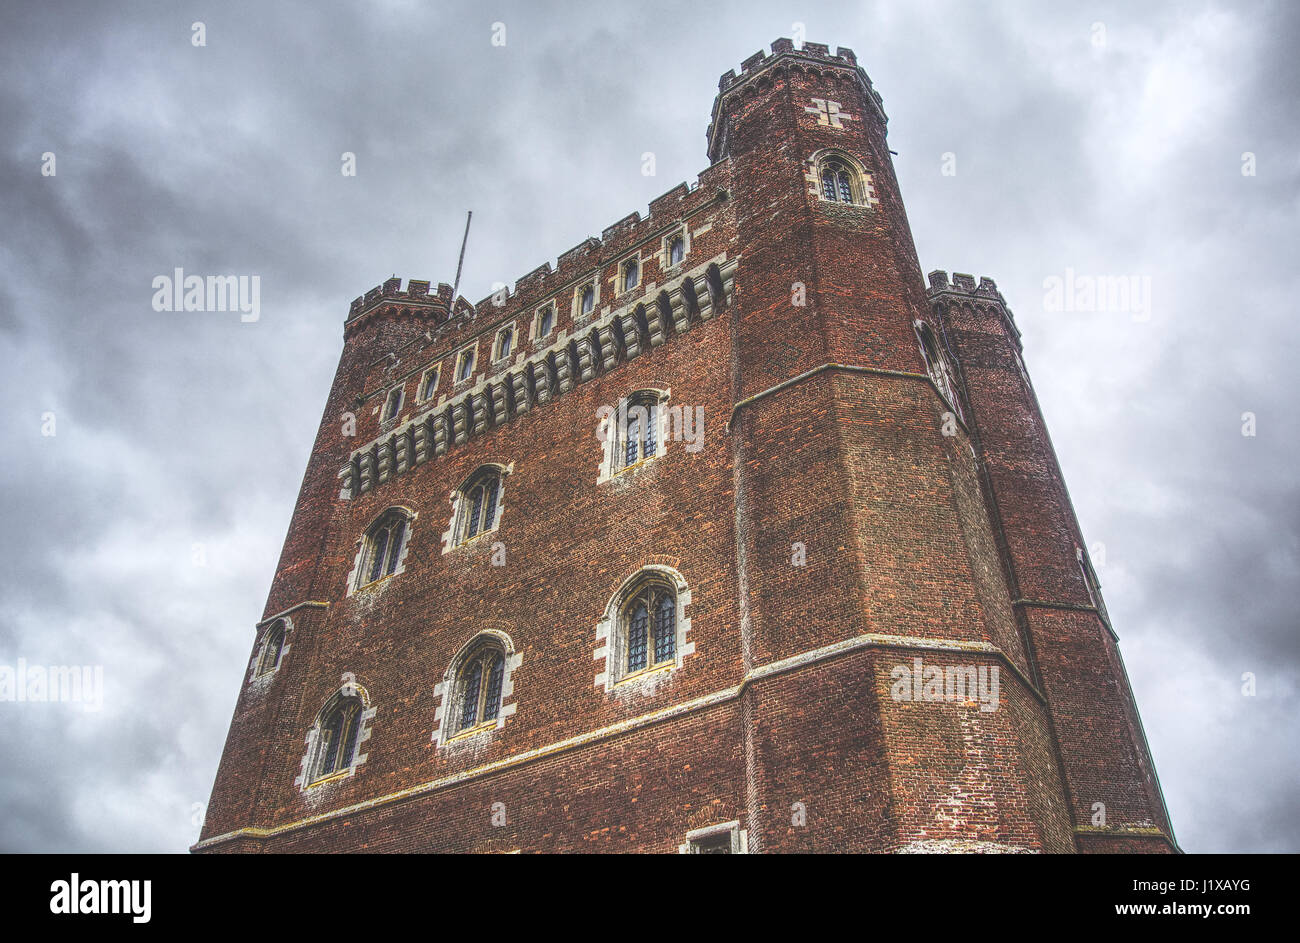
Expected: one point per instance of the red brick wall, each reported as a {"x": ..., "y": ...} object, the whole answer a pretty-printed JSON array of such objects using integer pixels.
[{"x": 1101, "y": 745}]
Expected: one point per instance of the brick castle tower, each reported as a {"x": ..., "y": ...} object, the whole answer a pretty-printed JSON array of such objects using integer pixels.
[{"x": 724, "y": 534}]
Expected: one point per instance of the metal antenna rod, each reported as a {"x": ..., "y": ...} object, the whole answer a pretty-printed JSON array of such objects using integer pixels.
[{"x": 459, "y": 264}]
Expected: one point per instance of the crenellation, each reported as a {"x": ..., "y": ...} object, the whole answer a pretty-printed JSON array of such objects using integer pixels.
[
  {"x": 667, "y": 204},
  {"x": 619, "y": 230}
]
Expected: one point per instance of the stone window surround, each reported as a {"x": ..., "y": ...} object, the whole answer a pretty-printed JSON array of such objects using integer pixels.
[
  {"x": 864, "y": 193},
  {"x": 611, "y": 440},
  {"x": 739, "y": 837},
  {"x": 348, "y": 688},
  {"x": 448, "y": 696},
  {"x": 941, "y": 372},
  {"x": 457, "y": 497},
  {"x": 254, "y": 677},
  {"x": 497, "y": 356},
  {"x": 620, "y": 274},
  {"x": 361, "y": 561},
  {"x": 665, "y": 263},
  {"x": 611, "y": 631},
  {"x": 470, "y": 350},
  {"x": 423, "y": 389},
  {"x": 386, "y": 421},
  {"x": 594, "y": 284},
  {"x": 535, "y": 332}
]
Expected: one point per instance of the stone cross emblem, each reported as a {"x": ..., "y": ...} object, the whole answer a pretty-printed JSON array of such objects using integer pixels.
[{"x": 828, "y": 113}]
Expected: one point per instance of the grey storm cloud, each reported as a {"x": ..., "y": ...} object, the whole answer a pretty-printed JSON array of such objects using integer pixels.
[{"x": 1098, "y": 138}]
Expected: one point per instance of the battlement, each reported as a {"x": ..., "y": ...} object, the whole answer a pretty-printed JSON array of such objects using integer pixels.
[
  {"x": 416, "y": 300},
  {"x": 964, "y": 284},
  {"x": 810, "y": 57},
  {"x": 817, "y": 52},
  {"x": 581, "y": 261}
]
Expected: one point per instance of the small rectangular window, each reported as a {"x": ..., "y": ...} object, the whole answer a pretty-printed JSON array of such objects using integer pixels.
[{"x": 725, "y": 839}]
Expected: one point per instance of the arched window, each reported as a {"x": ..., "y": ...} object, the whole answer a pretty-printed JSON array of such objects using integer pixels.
[
  {"x": 382, "y": 547},
  {"x": 647, "y": 626},
  {"x": 588, "y": 299},
  {"x": 505, "y": 340},
  {"x": 478, "y": 688},
  {"x": 478, "y": 504},
  {"x": 429, "y": 385},
  {"x": 634, "y": 429},
  {"x": 676, "y": 250},
  {"x": 465, "y": 365},
  {"x": 936, "y": 364},
  {"x": 631, "y": 274},
  {"x": 546, "y": 321},
  {"x": 651, "y": 624},
  {"x": 393, "y": 404},
  {"x": 841, "y": 180},
  {"x": 336, "y": 743},
  {"x": 272, "y": 649},
  {"x": 644, "y": 630}
]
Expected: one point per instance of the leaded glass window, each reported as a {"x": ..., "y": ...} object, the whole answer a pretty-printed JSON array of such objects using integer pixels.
[
  {"x": 393, "y": 405},
  {"x": 383, "y": 547},
  {"x": 465, "y": 366},
  {"x": 637, "y": 623},
  {"x": 479, "y": 687},
  {"x": 631, "y": 274},
  {"x": 338, "y": 737},
  {"x": 377, "y": 555},
  {"x": 665, "y": 629},
  {"x": 492, "y": 697},
  {"x": 837, "y": 183},
  {"x": 937, "y": 365},
  {"x": 470, "y": 685},
  {"x": 479, "y": 504},
  {"x": 650, "y": 624},
  {"x": 638, "y": 439},
  {"x": 430, "y": 385},
  {"x": 588, "y": 299}
]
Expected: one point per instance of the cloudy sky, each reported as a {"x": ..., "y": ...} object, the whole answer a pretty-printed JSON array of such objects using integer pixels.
[{"x": 143, "y": 533}]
